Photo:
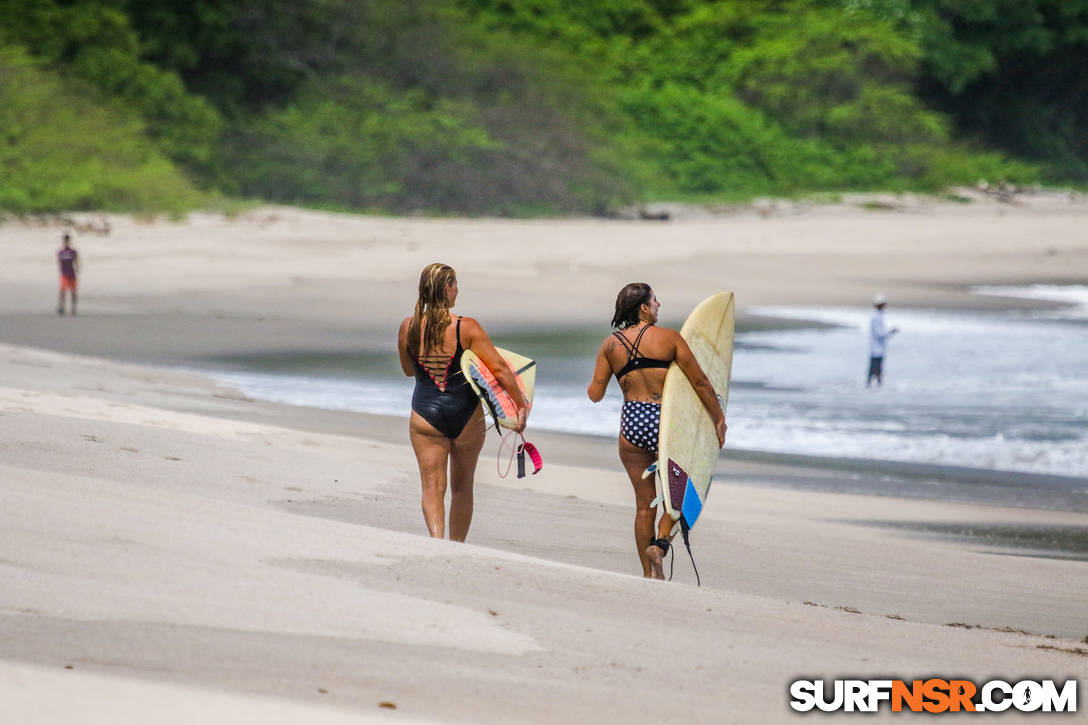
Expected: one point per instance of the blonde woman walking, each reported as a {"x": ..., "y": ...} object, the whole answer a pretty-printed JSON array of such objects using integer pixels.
[{"x": 447, "y": 421}]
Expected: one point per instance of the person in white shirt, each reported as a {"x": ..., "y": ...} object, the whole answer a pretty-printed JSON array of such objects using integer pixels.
[{"x": 878, "y": 341}]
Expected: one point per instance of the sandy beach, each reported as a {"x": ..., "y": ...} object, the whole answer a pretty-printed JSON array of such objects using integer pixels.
[{"x": 176, "y": 552}]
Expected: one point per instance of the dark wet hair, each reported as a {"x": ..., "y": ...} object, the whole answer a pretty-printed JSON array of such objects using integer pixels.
[{"x": 628, "y": 302}]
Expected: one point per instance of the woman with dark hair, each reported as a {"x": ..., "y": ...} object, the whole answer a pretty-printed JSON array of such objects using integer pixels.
[
  {"x": 447, "y": 421},
  {"x": 639, "y": 353}
]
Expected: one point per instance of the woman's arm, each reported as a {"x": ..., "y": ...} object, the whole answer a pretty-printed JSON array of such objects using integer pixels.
[
  {"x": 602, "y": 372},
  {"x": 474, "y": 338},
  {"x": 402, "y": 348},
  {"x": 687, "y": 362}
]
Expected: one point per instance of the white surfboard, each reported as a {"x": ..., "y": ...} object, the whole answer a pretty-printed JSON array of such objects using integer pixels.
[{"x": 688, "y": 445}]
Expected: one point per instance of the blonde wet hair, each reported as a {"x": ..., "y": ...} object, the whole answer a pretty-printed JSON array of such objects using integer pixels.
[{"x": 432, "y": 313}]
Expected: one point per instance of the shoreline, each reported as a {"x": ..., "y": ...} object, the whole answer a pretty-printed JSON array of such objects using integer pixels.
[
  {"x": 904, "y": 478},
  {"x": 883, "y": 478},
  {"x": 772, "y": 469}
]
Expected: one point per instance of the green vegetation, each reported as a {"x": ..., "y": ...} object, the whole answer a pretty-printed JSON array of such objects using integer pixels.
[
  {"x": 531, "y": 106},
  {"x": 63, "y": 148}
]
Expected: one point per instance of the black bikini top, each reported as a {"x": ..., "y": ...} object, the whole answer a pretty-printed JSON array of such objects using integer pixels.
[{"x": 634, "y": 361}]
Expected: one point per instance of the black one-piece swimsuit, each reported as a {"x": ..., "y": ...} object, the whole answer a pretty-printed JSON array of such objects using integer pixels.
[{"x": 447, "y": 404}]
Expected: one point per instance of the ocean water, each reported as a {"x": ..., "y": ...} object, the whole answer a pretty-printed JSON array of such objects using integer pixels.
[
  {"x": 1005, "y": 391},
  {"x": 995, "y": 390}
]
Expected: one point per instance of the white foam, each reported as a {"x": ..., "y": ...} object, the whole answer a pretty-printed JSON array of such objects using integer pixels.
[
  {"x": 1074, "y": 296},
  {"x": 1062, "y": 458}
]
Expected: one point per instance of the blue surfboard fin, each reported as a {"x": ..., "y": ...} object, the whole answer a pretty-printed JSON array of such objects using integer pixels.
[
  {"x": 650, "y": 471},
  {"x": 692, "y": 506}
]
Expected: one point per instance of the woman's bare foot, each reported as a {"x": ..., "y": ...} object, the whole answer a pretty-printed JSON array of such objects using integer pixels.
[{"x": 656, "y": 557}]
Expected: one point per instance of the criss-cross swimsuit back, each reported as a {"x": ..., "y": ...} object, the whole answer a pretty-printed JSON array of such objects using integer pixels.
[
  {"x": 442, "y": 396},
  {"x": 634, "y": 360}
]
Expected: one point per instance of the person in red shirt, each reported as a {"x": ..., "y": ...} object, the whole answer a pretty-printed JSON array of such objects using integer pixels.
[{"x": 69, "y": 268}]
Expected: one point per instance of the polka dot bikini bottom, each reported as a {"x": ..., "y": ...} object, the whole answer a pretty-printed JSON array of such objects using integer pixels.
[{"x": 640, "y": 422}]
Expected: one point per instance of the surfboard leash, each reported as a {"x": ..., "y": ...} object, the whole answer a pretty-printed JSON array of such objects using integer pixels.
[
  {"x": 518, "y": 450},
  {"x": 684, "y": 529},
  {"x": 682, "y": 523}
]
